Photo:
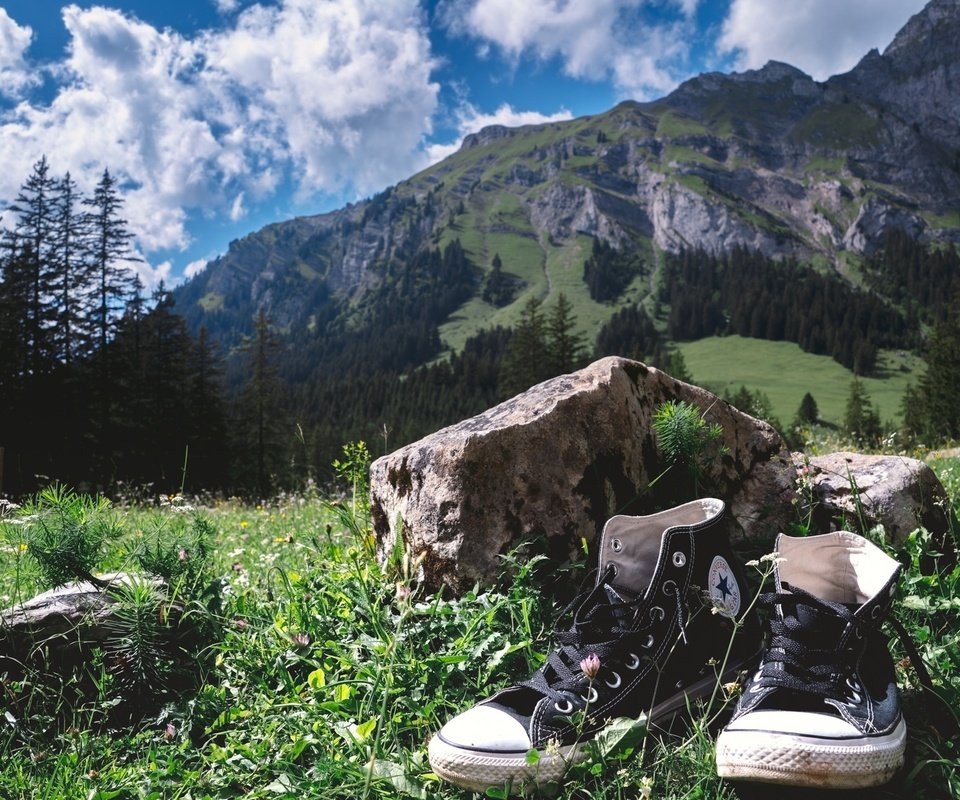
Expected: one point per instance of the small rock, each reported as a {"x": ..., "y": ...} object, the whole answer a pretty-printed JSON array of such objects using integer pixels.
[{"x": 899, "y": 493}]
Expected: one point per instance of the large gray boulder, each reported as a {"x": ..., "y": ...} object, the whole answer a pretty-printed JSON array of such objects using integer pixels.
[{"x": 558, "y": 461}]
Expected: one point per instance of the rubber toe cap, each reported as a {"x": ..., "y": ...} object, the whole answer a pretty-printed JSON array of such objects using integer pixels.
[
  {"x": 803, "y": 723},
  {"x": 487, "y": 729}
]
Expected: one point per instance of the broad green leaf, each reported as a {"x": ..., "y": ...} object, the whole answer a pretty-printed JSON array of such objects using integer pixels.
[
  {"x": 394, "y": 773},
  {"x": 619, "y": 735},
  {"x": 364, "y": 729}
]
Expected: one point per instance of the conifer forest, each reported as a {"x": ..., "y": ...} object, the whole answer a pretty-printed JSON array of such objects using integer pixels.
[{"x": 105, "y": 384}]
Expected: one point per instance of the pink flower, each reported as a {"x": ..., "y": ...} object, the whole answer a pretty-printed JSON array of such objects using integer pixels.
[
  {"x": 301, "y": 639},
  {"x": 170, "y": 731},
  {"x": 591, "y": 665}
]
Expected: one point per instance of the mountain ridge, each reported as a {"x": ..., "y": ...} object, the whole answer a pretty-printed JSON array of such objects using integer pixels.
[{"x": 766, "y": 159}]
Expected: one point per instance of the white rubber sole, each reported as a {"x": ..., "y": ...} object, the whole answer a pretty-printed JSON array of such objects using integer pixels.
[
  {"x": 479, "y": 770},
  {"x": 800, "y": 760}
]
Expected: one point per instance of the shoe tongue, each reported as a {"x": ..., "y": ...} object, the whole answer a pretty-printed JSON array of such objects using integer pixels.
[
  {"x": 816, "y": 625},
  {"x": 608, "y": 612},
  {"x": 621, "y": 612}
]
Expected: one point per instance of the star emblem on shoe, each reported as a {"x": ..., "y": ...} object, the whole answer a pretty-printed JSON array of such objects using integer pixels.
[{"x": 723, "y": 587}]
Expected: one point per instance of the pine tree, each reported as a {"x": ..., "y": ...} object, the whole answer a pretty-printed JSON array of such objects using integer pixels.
[
  {"x": 260, "y": 413},
  {"x": 808, "y": 411},
  {"x": 526, "y": 361},
  {"x": 32, "y": 239},
  {"x": 936, "y": 404},
  {"x": 70, "y": 268},
  {"x": 860, "y": 419},
  {"x": 207, "y": 415},
  {"x": 15, "y": 290},
  {"x": 565, "y": 348},
  {"x": 498, "y": 289},
  {"x": 676, "y": 367},
  {"x": 110, "y": 253}
]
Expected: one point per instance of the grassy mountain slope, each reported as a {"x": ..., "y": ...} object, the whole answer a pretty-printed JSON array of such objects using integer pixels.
[
  {"x": 767, "y": 160},
  {"x": 783, "y": 372}
]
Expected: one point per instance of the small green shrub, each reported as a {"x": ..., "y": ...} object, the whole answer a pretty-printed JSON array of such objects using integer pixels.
[{"x": 65, "y": 533}]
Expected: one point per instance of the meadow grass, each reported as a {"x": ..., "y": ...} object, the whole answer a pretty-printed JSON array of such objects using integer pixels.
[
  {"x": 783, "y": 372},
  {"x": 333, "y": 671}
]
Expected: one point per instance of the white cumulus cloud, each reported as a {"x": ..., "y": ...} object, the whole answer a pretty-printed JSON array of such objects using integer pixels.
[
  {"x": 821, "y": 37},
  {"x": 194, "y": 267},
  {"x": 15, "y": 74},
  {"x": 642, "y": 53},
  {"x": 470, "y": 120},
  {"x": 329, "y": 97}
]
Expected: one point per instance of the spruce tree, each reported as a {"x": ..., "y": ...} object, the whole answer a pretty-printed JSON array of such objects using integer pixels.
[
  {"x": 498, "y": 289},
  {"x": 937, "y": 401},
  {"x": 32, "y": 239},
  {"x": 69, "y": 266},
  {"x": 110, "y": 254},
  {"x": 808, "y": 411},
  {"x": 860, "y": 419},
  {"x": 526, "y": 361},
  {"x": 260, "y": 412},
  {"x": 207, "y": 432},
  {"x": 565, "y": 348}
]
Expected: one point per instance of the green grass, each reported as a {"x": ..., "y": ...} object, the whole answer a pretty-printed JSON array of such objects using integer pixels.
[
  {"x": 948, "y": 220},
  {"x": 211, "y": 301},
  {"x": 681, "y": 153},
  {"x": 673, "y": 125},
  {"x": 332, "y": 673},
  {"x": 837, "y": 125},
  {"x": 784, "y": 373}
]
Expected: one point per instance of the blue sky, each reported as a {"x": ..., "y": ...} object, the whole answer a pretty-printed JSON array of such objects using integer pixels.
[{"x": 220, "y": 116}]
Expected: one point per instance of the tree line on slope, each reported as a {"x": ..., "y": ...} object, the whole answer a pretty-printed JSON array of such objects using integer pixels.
[
  {"x": 101, "y": 384},
  {"x": 742, "y": 292}
]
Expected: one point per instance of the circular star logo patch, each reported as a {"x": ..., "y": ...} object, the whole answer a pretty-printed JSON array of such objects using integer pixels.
[{"x": 724, "y": 590}]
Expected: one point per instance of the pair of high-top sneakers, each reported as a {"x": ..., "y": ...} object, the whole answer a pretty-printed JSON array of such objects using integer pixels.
[{"x": 655, "y": 632}]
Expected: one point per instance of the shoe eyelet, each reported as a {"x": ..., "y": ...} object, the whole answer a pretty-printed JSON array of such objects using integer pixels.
[
  {"x": 679, "y": 559},
  {"x": 616, "y": 545},
  {"x": 565, "y": 709},
  {"x": 648, "y": 643},
  {"x": 634, "y": 661},
  {"x": 658, "y": 612},
  {"x": 669, "y": 588},
  {"x": 614, "y": 684},
  {"x": 591, "y": 696},
  {"x": 614, "y": 568},
  {"x": 876, "y": 612}
]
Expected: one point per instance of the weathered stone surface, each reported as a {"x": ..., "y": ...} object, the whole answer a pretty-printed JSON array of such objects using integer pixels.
[
  {"x": 64, "y": 620},
  {"x": 900, "y": 493},
  {"x": 558, "y": 460}
]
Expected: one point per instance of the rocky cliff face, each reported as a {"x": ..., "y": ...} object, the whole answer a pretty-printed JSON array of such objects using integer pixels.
[
  {"x": 917, "y": 76},
  {"x": 767, "y": 159}
]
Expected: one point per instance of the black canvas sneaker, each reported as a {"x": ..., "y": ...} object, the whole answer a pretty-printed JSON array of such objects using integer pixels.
[
  {"x": 822, "y": 709},
  {"x": 646, "y": 639}
]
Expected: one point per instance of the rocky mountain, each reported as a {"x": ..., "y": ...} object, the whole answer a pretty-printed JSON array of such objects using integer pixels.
[{"x": 768, "y": 159}]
